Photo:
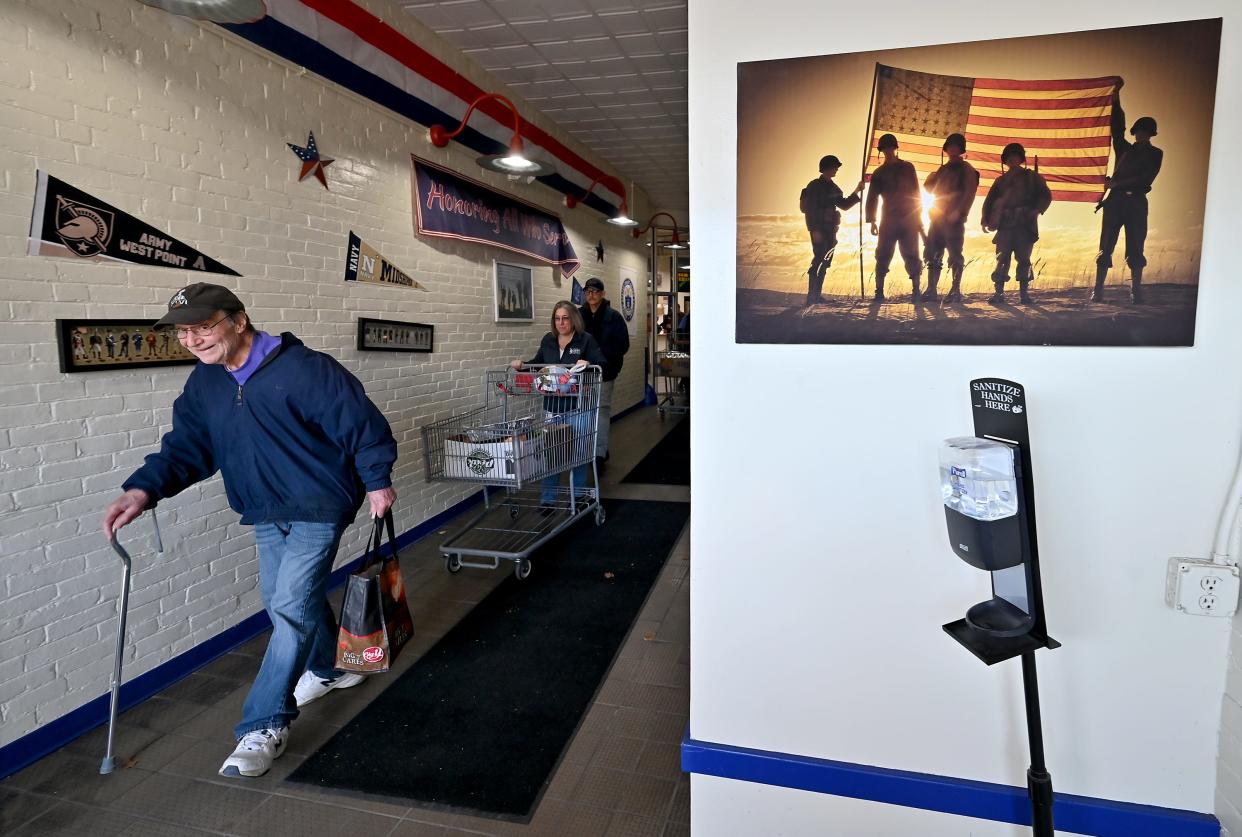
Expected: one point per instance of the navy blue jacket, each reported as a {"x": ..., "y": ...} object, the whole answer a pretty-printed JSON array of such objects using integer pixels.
[
  {"x": 300, "y": 441},
  {"x": 583, "y": 346},
  {"x": 608, "y": 328}
]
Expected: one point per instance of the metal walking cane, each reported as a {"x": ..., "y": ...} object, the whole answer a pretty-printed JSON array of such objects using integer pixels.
[{"x": 109, "y": 762}]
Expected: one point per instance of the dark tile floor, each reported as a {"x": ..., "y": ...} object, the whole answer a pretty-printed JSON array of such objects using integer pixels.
[{"x": 620, "y": 778}]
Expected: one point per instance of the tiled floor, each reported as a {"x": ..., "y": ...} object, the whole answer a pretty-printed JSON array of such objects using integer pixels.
[{"x": 620, "y": 777}]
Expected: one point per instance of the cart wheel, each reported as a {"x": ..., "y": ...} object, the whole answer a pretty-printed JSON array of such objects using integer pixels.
[
  {"x": 599, "y": 515},
  {"x": 661, "y": 409},
  {"x": 513, "y": 512},
  {"x": 522, "y": 568},
  {"x": 452, "y": 563}
]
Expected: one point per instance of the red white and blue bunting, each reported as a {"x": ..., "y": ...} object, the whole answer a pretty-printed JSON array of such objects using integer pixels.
[{"x": 348, "y": 45}]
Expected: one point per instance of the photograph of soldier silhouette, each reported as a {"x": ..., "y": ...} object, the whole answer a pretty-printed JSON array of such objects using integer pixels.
[{"x": 998, "y": 162}]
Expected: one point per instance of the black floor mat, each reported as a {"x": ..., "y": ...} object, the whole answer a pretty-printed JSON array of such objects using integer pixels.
[
  {"x": 668, "y": 463},
  {"x": 481, "y": 721}
]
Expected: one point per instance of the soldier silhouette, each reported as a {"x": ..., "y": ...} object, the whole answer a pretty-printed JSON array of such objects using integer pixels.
[
  {"x": 822, "y": 201},
  {"x": 953, "y": 186},
  {"x": 896, "y": 181},
  {"x": 1012, "y": 209},
  {"x": 1125, "y": 205}
]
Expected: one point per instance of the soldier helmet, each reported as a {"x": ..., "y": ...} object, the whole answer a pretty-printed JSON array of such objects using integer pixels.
[
  {"x": 887, "y": 141},
  {"x": 1014, "y": 148},
  {"x": 828, "y": 162},
  {"x": 955, "y": 139},
  {"x": 1144, "y": 123}
]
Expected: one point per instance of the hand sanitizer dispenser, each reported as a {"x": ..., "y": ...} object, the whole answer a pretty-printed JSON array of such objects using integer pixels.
[
  {"x": 979, "y": 485},
  {"x": 981, "y": 492}
]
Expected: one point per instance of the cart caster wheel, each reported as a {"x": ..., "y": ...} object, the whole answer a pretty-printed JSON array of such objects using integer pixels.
[
  {"x": 522, "y": 568},
  {"x": 513, "y": 512},
  {"x": 600, "y": 516},
  {"x": 452, "y": 563}
]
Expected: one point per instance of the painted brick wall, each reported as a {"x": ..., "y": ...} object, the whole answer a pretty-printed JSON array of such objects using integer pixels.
[{"x": 185, "y": 126}]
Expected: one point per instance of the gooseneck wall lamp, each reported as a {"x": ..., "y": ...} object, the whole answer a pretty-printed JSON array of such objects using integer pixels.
[
  {"x": 622, "y": 218},
  {"x": 675, "y": 243},
  {"x": 514, "y": 162}
]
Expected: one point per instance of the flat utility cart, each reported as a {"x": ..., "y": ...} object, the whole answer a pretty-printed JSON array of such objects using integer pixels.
[
  {"x": 536, "y": 423},
  {"x": 673, "y": 382}
]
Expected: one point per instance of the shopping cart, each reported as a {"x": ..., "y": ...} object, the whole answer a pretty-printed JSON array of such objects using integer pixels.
[
  {"x": 673, "y": 382},
  {"x": 535, "y": 423}
]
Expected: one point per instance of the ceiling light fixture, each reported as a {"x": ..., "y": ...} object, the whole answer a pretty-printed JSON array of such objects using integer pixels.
[
  {"x": 622, "y": 218},
  {"x": 675, "y": 243},
  {"x": 514, "y": 161}
]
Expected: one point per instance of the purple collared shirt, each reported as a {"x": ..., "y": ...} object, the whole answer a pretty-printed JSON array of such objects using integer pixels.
[{"x": 262, "y": 346}]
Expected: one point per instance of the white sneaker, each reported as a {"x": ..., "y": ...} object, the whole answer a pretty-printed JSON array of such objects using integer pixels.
[
  {"x": 312, "y": 687},
  {"x": 255, "y": 752}
]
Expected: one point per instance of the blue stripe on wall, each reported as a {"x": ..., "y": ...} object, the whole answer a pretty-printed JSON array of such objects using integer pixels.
[
  {"x": 55, "y": 734},
  {"x": 946, "y": 794}
]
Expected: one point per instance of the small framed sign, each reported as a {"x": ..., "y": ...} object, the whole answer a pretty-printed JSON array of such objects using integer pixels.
[
  {"x": 90, "y": 345},
  {"x": 394, "y": 336},
  {"x": 515, "y": 293}
]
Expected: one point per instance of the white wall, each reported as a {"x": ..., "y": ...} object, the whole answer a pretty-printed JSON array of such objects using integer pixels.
[
  {"x": 821, "y": 573},
  {"x": 184, "y": 126}
]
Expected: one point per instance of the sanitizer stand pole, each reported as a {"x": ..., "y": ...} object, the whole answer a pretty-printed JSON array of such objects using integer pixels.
[{"x": 1038, "y": 779}]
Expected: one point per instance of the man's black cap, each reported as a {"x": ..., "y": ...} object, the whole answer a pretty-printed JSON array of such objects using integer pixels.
[
  {"x": 887, "y": 141},
  {"x": 955, "y": 139},
  {"x": 593, "y": 284},
  {"x": 829, "y": 161},
  {"x": 197, "y": 303}
]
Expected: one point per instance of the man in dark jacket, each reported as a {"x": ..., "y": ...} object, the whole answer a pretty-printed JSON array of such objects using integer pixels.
[
  {"x": 1125, "y": 206},
  {"x": 896, "y": 181},
  {"x": 1012, "y": 209},
  {"x": 822, "y": 201},
  {"x": 299, "y": 446},
  {"x": 953, "y": 186},
  {"x": 608, "y": 328}
]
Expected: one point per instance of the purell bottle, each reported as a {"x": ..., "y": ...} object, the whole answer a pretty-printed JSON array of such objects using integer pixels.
[{"x": 979, "y": 487}]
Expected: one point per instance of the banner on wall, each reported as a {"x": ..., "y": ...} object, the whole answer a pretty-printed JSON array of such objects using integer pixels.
[
  {"x": 365, "y": 264},
  {"x": 448, "y": 205},
  {"x": 68, "y": 222}
]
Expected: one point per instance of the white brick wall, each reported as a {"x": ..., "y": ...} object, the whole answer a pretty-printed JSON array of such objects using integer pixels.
[{"x": 185, "y": 126}]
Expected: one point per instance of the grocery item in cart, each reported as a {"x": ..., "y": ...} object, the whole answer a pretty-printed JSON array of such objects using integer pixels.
[{"x": 556, "y": 380}]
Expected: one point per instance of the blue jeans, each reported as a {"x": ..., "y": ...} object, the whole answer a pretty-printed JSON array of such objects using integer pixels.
[
  {"x": 295, "y": 560},
  {"x": 584, "y": 445}
]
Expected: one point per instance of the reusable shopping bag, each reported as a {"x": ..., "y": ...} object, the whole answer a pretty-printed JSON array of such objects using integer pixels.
[{"x": 375, "y": 617}]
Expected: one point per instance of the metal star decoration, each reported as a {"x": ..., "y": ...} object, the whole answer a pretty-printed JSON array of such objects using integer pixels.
[
  {"x": 312, "y": 163},
  {"x": 599, "y": 251}
]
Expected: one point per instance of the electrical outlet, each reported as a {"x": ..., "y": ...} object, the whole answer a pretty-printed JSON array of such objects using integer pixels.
[{"x": 1201, "y": 588}]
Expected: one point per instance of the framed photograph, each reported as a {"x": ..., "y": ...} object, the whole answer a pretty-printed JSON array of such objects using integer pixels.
[
  {"x": 515, "y": 293},
  {"x": 1010, "y": 192},
  {"x": 91, "y": 345},
  {"x": 394, "y": 336}
]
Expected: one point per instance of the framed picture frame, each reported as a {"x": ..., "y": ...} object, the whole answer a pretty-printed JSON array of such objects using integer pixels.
[
  {"x": 394, "y": 336},
  {"x": 514, "y": 292},
  {"x": 108, "y": 345}
]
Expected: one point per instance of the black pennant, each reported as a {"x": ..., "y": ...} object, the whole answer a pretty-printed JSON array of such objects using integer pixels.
[{"x": 70, "y": 223}]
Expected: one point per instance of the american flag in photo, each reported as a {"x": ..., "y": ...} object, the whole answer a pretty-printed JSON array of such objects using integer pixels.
[{"x": 1065, "y": 123}]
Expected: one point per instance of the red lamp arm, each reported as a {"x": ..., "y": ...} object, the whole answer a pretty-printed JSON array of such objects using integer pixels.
[
  {"x": 440, "y": 137},
  {"x": 651, "y": 220}
]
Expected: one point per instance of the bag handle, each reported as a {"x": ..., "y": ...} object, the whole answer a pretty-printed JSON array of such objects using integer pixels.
[{"x": 377, "y": 540}]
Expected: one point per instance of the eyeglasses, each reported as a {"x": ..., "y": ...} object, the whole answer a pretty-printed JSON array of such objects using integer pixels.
[
  {"x": 595, "y": 290},
  {"x": 200, "y": 330},
  {"x": 563, "y": 319}
]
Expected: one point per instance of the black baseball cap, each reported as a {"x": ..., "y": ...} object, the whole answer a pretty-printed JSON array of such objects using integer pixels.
[
  {"x": 593, "y": 284},
  {"x": 198, "y": 302},
  {"x": 829, "y": 161}
]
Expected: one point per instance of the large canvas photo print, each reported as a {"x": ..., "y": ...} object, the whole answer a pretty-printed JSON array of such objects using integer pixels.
[{"x": 1026, "y": 191}]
